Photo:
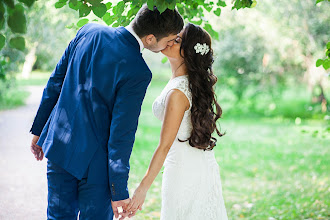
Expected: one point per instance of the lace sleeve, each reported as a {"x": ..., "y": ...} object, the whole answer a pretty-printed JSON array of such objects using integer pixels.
[{"x": 181, "y": 84}]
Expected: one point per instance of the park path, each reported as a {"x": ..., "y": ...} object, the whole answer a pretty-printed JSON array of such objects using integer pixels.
[{"x": 23, "y": 181}]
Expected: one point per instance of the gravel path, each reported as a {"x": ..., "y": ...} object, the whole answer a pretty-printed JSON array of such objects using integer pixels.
[{"x": 23, "y": 182}]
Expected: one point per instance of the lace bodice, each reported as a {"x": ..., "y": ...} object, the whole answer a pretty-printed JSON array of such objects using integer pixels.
[{"x": 181, "y": 83}]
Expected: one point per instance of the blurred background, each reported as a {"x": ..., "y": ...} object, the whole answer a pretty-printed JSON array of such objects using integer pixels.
[{"x": 275, "y": 156}]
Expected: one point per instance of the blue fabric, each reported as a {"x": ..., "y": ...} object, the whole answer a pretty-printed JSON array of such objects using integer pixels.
[
  {"x": 67, "y": 195},
  {"x": 93, "y": 100}
]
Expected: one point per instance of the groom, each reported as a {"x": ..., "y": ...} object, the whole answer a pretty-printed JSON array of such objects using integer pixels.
[{"x": 88, "y": 115}]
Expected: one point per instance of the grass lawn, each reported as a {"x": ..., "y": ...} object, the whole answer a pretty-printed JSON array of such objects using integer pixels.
[
  {"x": 13, "y": 98},
  {"x": 37, "y": 78},
  {"x": 270, "y": 168}
]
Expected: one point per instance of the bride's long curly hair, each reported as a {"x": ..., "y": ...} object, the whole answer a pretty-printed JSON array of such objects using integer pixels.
[{"x": 205, "y": 110}]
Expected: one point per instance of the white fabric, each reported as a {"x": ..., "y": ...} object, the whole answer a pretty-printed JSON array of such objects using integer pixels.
[
  {"x": 129, "y": 28},
  {"x": 191, "y": 188}
]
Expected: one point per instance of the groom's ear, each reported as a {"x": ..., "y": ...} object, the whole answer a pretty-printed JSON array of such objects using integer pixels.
[{"x": 151, "y": 39}]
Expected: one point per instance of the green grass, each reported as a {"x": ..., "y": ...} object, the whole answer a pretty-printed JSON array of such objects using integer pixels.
[
  {"x": 14, "y": 95},
  {"x": 271, "y": 168},
  {"x": 37, "y": 78},
  {"x": 13, "y": 98}
]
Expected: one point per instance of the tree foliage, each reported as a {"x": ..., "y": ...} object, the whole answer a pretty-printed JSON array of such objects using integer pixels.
[
  {"x": 324, "y": 62},
  {"x": 13, "y": 12},
  {"x": 13, "y": 20},
  {"x": 124, "y": 11},
  {"x": 262, "y": 53}
]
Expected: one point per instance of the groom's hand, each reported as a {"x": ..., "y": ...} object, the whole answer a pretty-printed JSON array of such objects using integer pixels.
[
  {"x": 35, "y": 149},
  {"x": 122, "y": 203}
]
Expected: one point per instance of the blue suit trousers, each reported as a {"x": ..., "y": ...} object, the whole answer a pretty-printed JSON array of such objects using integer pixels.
[{"x": 68, "y": 197}]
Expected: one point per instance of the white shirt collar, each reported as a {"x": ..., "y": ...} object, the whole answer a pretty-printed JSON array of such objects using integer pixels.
[{"x": 129, "y": 28}]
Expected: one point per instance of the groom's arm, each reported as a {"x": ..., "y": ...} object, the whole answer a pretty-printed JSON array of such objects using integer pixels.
[
  {"x": 51, "y": 92},
  {"x": 125, "y": 114}
]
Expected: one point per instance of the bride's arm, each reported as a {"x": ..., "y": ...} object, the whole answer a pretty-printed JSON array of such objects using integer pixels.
[{"x": 176, "y": 104}]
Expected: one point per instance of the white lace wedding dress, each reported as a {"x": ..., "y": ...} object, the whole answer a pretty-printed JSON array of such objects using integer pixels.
[{"x": 191, "y": 187}]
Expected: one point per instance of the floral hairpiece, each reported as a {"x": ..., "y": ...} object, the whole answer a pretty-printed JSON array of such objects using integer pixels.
[{"x": 202, "y": 48}]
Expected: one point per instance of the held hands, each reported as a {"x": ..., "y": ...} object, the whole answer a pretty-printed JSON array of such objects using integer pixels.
[
  {"x": 137, "y": 200},
  {"x": 123, "y": 204},
  {"x": 35, "y": 149}
]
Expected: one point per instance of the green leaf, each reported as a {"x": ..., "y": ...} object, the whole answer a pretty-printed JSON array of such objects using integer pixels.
[
  {"x": 328, "y": 45},
  {"x": 318, "y": 1},
  {"x": 82, "y": 22},
  {"x": 319, "y": 62},
  {"x": 99, "y": 9},
  {"x": 2, "y": 41},
  {"x": 150, "y": 4},
  {"x": 161, "y": 6},
  {"x": 84, "y": 10},
  {"x": 254, "y": 4},
  {"x": 208, "y": 8},
  {"x": 221, "y": 3},
  {"x": 115, "y": 24},
  {"x": 109, "y": 4},
  {"x": 171, "y": 6},
  {"x": 59, "y": 4},
  {"x": 164, "y": 60},
  {"x": 70, "y": 26},
  {"x": 75, "y": 5},
  {"x": 17, "y": 43},
  {"x": 108, "y": 19},
  {"x": 121, "y": 8},
  {"x": 242, "y": 4},
  {"x": 198, "y": 22},
  {"x": 17, "y": 20},
  {"x": 133, "y": 11},
  {"x": 217, "y": 12},
  {"x": 326, "y": 64},
  {"x": 28, "y": 3}
]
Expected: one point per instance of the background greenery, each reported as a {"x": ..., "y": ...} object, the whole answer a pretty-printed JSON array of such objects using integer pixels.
[{"x": 274, "y": 157}]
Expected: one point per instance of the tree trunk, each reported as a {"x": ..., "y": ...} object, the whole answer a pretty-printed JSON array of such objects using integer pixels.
[{"x": 30, "y": 60}]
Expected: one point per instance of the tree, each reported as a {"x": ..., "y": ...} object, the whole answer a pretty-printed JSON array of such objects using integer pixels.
[
  {"x": 272, "y": 48},
  {"x": 13, "y": 13},
  {"x": 121, "y": 14}
]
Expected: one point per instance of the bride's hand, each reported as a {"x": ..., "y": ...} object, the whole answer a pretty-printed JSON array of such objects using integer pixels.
[{"x": 137, "y": 201}]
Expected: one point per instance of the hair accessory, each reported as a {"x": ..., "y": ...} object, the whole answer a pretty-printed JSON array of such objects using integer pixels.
[{"x": 202, "y": 48}]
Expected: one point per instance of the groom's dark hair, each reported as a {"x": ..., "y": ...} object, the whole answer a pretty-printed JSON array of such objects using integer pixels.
[{"x": 159, "y": 24}]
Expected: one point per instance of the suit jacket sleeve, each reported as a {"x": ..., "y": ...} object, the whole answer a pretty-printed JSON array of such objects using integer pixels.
[
  {"x": 124, "y": 123},
  {"x": 51, "y": 93}
]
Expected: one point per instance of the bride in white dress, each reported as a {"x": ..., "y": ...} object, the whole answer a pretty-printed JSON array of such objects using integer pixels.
[{"x": 191, "y": 188}]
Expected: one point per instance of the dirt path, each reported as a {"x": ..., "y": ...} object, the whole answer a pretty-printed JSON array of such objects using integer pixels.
[{"x": 23, "y": 182}]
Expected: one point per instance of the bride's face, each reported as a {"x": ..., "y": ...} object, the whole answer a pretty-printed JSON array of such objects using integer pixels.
[{"x": 174, "y": 50}]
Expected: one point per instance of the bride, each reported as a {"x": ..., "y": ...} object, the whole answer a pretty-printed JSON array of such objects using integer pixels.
[{"x": 191, "y": 188}]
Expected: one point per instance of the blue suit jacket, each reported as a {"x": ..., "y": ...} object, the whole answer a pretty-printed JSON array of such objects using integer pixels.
[{"x": 90, "y": 106}]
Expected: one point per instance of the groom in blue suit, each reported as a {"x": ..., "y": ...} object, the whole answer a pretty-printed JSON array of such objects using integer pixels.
[{"x": 88, "y": 115}]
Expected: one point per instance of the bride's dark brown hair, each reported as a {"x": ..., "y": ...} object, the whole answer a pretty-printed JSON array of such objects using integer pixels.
[{"x": 205, "y": 109}]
